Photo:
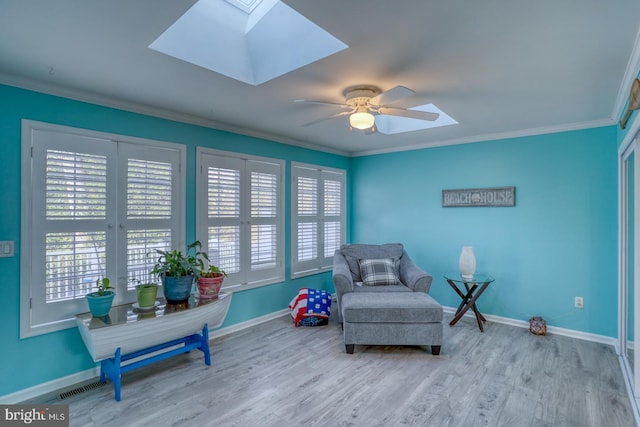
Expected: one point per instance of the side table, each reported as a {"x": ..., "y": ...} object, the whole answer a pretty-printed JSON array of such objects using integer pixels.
[{"x": 474, "y": 287}]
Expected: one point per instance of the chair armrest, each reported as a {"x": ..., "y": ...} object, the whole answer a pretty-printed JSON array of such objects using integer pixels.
[
  {"x": 413, "y": 276},
  {"x": 342, "y": 280}
]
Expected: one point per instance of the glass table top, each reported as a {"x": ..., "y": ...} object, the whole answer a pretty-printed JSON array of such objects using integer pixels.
[
  {"x": 129, "y": 313},
  {"x": 477, "y": 278}
]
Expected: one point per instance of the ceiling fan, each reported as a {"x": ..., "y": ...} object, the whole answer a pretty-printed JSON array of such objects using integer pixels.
[{"x": 365, "y": 102}]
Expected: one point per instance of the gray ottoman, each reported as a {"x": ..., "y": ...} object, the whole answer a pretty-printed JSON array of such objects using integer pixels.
[{"x": 391, "y": 318}]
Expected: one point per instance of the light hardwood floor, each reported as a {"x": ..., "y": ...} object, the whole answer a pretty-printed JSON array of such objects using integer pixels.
[{"x": 274, "y": 374}]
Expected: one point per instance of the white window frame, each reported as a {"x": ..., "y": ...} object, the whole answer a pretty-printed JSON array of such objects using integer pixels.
[
  {"x": 321, "y": 173},
  {"x": 245, "y": 278},
  {"x": 115, "y": 224}
]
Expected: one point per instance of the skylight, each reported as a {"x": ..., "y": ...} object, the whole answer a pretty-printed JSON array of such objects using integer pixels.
[
  {"x": 253, "y": 41},
  {"x": 246, "y": 6},
  {"x": 390, "y": 125}
]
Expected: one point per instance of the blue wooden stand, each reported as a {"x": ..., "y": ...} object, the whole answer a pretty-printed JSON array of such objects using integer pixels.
[{"x": 113, "y": 369}]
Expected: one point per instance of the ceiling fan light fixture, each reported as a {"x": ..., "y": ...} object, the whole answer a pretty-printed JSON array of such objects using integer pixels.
[{"x": 362, "y": 120}]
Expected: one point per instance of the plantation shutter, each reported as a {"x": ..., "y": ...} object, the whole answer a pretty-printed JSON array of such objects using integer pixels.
[
  {"x": 223, "y": 215},
  {"x": 264, "y": 220},
  {"x": 70, "y": 219},
  {"x": 239, "y": 206},
  {"x": 149, "y": 180},
  {"x": 333, "y": 206},
  {"x": 318, "y": 218},
  {"x": 93, "y": 207},
  {"x": 308, "y": 218}
]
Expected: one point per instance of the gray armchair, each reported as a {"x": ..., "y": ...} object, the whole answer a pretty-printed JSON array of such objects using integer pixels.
[{"x": 382, "y": 298}]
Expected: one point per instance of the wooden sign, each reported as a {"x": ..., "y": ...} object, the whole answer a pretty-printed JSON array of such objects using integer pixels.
[{"x": 496, "y": 196}]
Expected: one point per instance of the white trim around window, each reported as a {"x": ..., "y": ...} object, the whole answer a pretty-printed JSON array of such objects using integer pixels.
[
  {"x": 240, "y": 216},
  {"x": 93, "y": 205},
  {"x": 318, "y": 217}
]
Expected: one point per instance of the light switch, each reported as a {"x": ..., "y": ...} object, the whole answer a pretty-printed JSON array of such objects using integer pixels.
[{"x": 6, "y": 248}]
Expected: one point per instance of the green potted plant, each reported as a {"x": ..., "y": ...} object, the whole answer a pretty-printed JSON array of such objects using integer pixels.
[
  {"x": 101, "y": 300},
  {"x": 146, "y": 294},
  {"x": 210, "y": 282},
  {"x": 177, "y": 270}
]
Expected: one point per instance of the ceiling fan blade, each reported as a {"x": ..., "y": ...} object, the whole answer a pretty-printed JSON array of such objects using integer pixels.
[
  {"x": 318, "y": 101},
  {"x": 344, "y": 113},
  {"x": 412, "y": 114},
  {"x": 391, "y": 96}
]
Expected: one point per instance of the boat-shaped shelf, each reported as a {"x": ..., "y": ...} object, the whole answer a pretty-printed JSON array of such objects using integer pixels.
[{"x": 131, "y": 329}]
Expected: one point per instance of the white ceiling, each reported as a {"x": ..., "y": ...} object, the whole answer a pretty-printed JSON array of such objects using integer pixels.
[{"x": 499, "y": 67}]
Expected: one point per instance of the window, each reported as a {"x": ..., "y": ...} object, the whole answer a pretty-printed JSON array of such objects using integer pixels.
[
  {"x": 318, "y": 217},
  {"x": 240, "y": 216},
  {"x": 94, "y": 205}
]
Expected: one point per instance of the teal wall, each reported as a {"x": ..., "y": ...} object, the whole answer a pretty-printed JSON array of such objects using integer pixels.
[
  {"x": 28, "y": 362},
  {"x": 558, "y": 242}
]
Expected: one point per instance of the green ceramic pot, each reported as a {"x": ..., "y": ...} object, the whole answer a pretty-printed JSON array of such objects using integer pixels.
[{"x": 146, "y": 294}]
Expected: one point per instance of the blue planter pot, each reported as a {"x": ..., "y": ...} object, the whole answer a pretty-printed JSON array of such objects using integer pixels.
[
  {"x": 177, "y": 289},
  {"x": 100, "y": 305}
]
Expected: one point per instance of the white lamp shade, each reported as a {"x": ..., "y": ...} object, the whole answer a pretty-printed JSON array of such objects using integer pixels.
[{"x": 362, "y": 120}]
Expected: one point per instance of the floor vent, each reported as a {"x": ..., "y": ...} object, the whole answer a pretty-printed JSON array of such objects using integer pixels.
[{"x": 81, "y": 389}]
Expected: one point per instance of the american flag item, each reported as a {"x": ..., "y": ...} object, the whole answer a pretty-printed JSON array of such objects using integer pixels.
[{"x": 310, "y": 303}]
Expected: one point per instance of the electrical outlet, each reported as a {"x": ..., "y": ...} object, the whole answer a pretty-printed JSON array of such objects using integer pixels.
[
  {"x": 579, "y": 303},
  {"x": 6, "y": 248}
]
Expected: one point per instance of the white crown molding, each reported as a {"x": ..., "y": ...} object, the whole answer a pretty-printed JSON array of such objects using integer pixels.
[
  {"x": 631, "y": 72},
  {"x": 493, "y": 137},
  {"x": 55, "y": 90},
  {"x": 105, "y": 101}
]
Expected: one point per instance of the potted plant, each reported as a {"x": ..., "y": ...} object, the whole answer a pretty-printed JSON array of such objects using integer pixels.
[
  {"x": 210, "y": 282},
  {"x": 177, "y": 271},
  {"x": 146, "y": 294},
  {"x": 101, "y": 300}
]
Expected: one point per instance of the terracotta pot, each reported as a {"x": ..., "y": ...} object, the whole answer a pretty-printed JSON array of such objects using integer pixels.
[{"x": 209, "y": 287}]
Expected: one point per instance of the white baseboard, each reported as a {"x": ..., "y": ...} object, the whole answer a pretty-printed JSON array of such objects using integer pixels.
[
  {"x": 602, "y": 339},
  {"x": 247, "y": 324},
  {"x": 79, "y": 377},
  {"x": 71, "y": 380},
  {"x": 50, "y": 386}
]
